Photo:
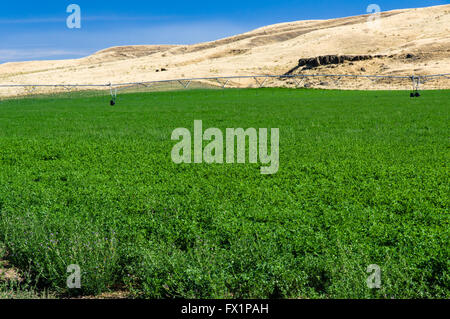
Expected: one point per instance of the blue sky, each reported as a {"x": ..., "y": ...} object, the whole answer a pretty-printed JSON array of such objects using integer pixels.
[{"x": 36, "y": 30}]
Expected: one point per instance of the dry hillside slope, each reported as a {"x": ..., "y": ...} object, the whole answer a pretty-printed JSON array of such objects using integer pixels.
[{"x": 413, "y": 41}]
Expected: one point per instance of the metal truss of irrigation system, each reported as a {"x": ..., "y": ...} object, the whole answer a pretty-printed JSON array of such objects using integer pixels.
[{"x": 223, "y": 81}]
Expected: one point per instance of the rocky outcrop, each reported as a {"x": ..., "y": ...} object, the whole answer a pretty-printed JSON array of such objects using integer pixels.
[{"x": 311, "y": 63}]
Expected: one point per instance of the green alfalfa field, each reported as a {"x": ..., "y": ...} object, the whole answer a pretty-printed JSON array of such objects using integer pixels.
[{"x": 363, "y": 180}]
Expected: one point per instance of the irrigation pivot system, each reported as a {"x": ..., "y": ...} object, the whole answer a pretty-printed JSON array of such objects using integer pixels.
[{"x": 296, "y": 80}]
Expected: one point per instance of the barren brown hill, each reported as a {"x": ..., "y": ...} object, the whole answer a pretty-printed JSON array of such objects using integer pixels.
[{"x": 412, "y": 41}]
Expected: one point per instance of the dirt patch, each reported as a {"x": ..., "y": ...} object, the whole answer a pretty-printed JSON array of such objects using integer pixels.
[
  {"x": 227, "y": 53},
  {"x": 109, "y": 295},
  {"x": 311, "y": 63},
  {"x": 7, "y": 272}
]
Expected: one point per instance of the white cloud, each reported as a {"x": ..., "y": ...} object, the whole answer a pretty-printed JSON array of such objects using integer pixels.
[
  {"x": 12, "y": 55},
  {"x": 84, "y": 18},
  {"x": 31, "y": 20}
]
